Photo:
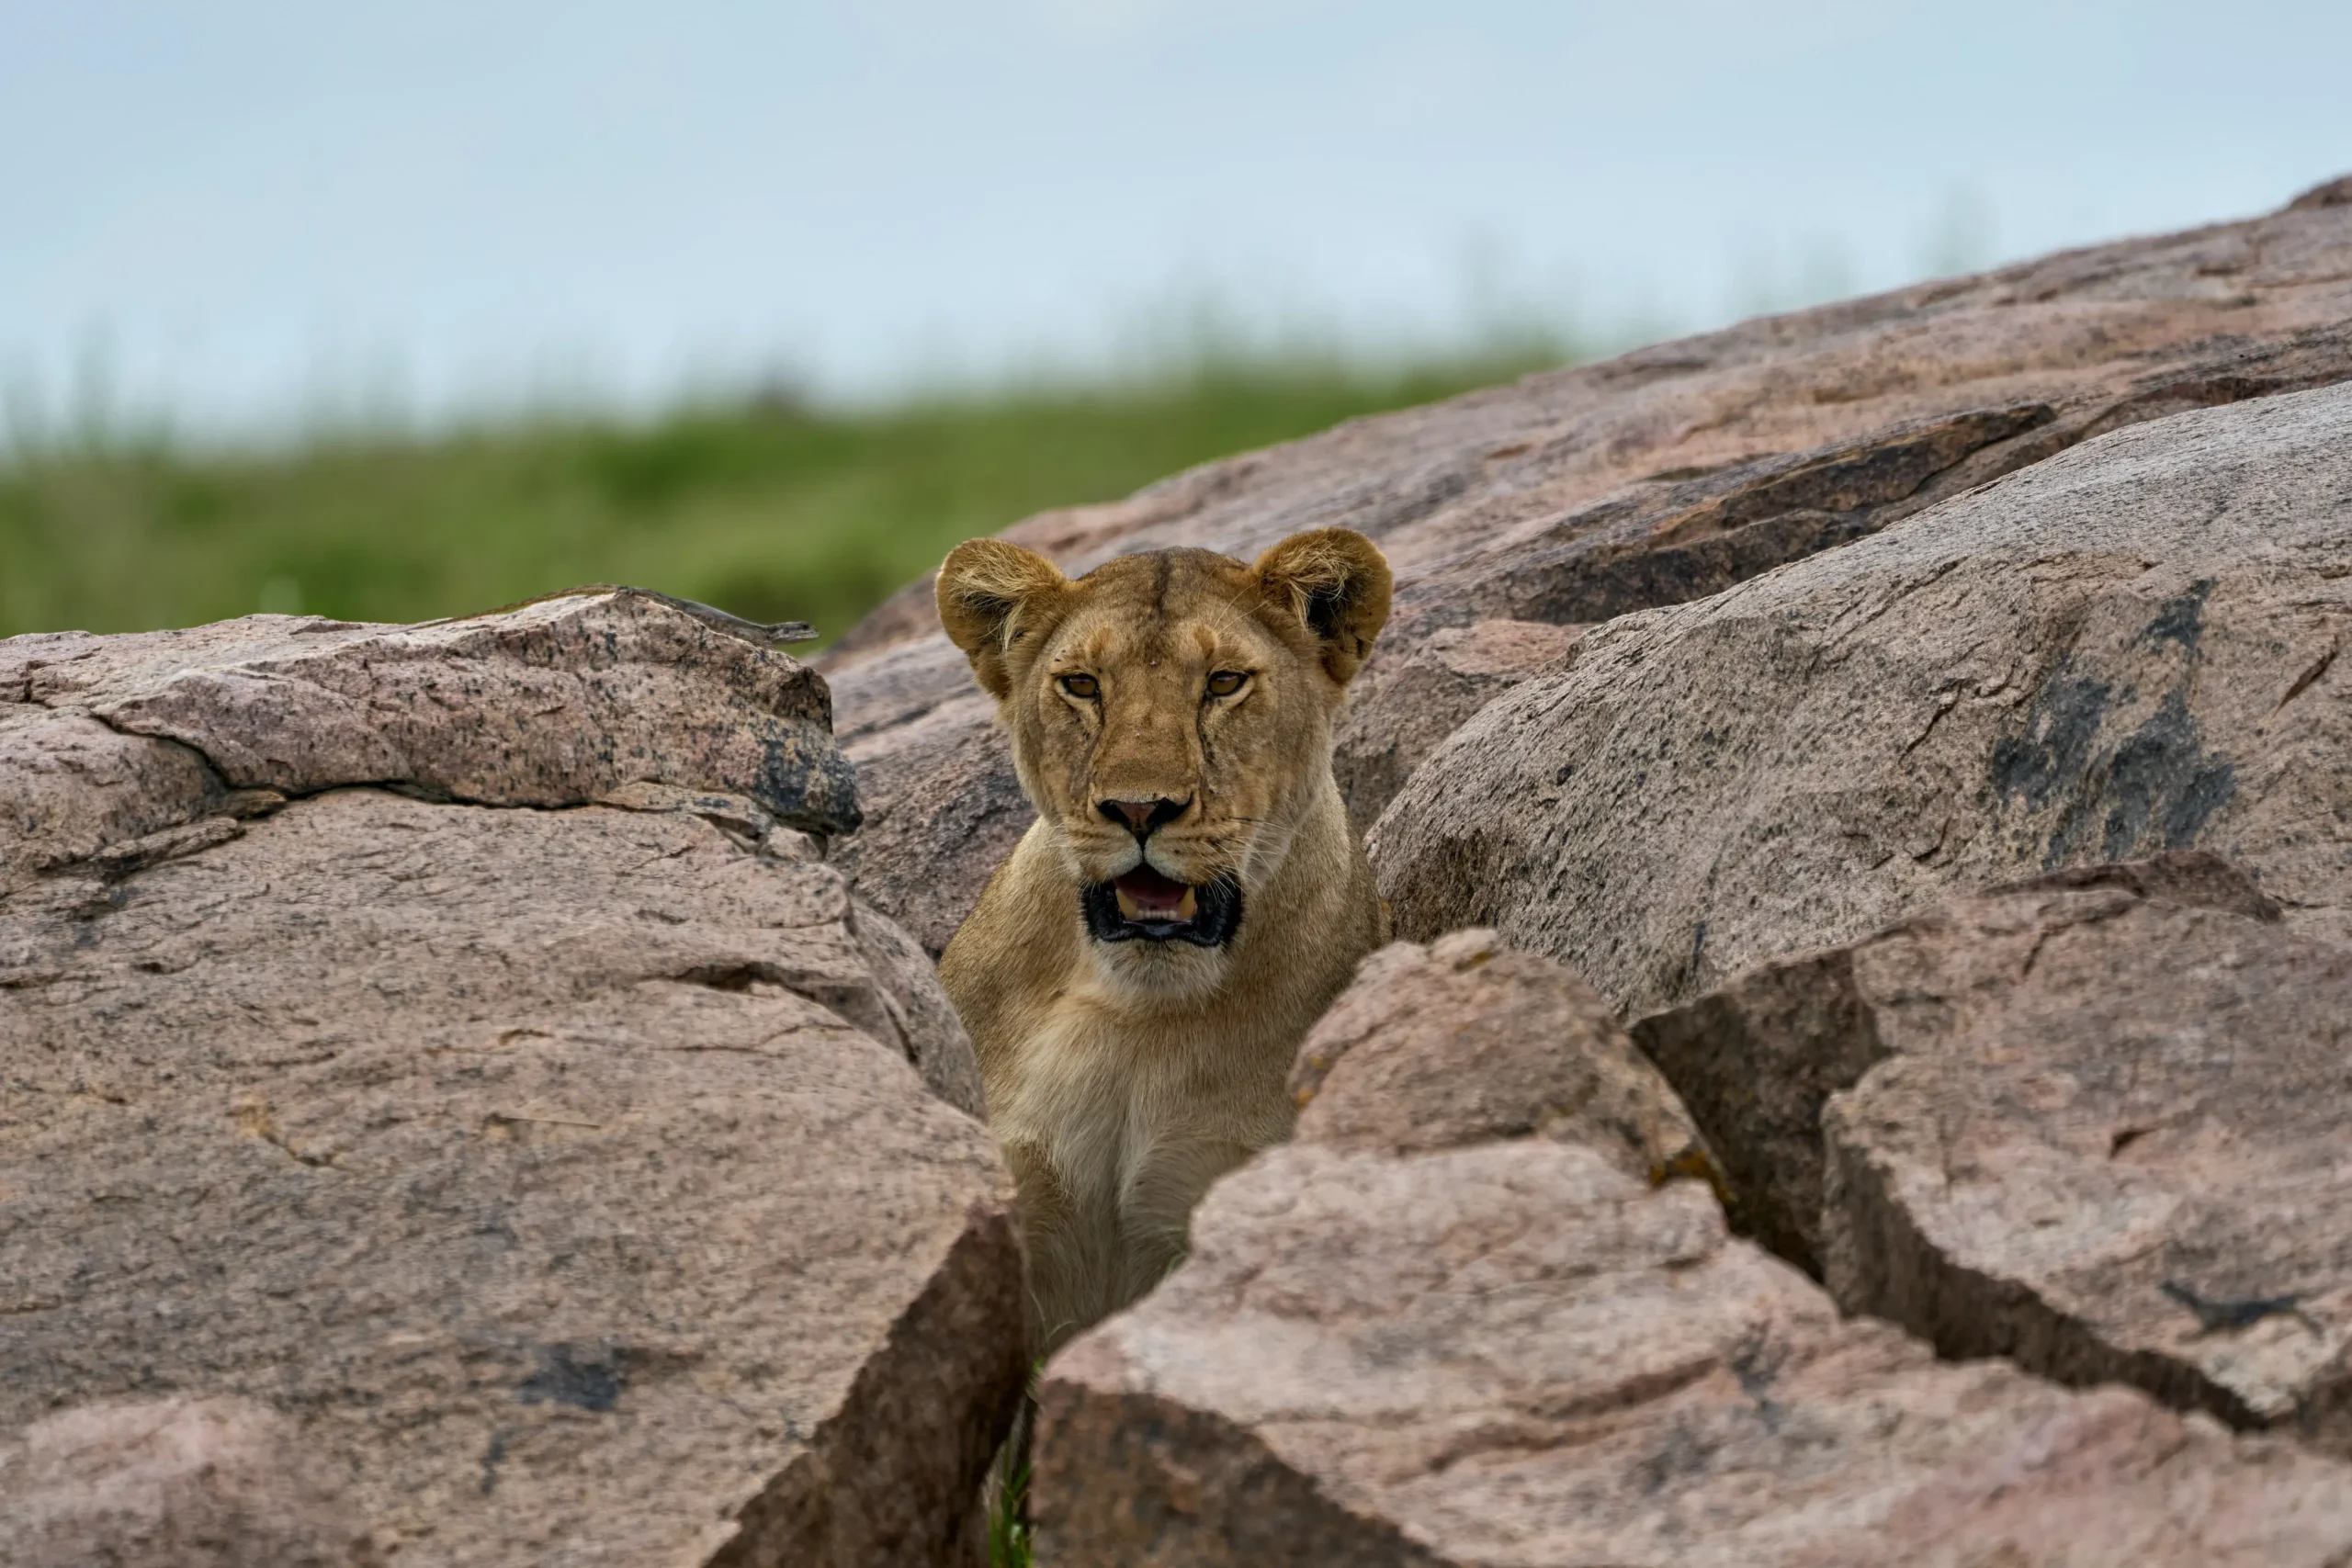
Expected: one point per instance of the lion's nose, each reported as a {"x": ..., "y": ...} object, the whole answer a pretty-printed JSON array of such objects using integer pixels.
[{"x": 1142, "y": 817}]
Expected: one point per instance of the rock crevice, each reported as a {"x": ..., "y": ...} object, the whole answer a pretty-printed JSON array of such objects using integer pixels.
[{"x": 1502, "y": 1345}]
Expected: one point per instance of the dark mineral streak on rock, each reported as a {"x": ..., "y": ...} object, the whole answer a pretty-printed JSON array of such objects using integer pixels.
[
  {"x": 586, "y": 1377},
  {"x": 2126, "y": 650}
]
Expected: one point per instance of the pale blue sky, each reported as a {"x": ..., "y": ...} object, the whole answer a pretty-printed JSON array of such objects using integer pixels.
[{"x": 249, "y": 209}]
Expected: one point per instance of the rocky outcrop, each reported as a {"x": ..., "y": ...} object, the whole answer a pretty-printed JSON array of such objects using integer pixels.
[
  {"x": 1513, "y": 1353},
  {"x": 2092, "y": 1123},
  {"x": 2128, "y": 649},
  {"x": 1655, "y": 479},
  {"x": 107, "y": 738},
  {"x": 442, "y": 1038},
  {"x": 469, "y": 1101},
  {"x": 1501, "y": 1336},
  {"x": 1466, "y": 1042}
]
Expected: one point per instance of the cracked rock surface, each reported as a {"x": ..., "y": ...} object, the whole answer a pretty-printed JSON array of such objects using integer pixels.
[
  {"x": 549, "y": 703},
  {"x": 2130, "y": 647},
  {"x": 1655, "y": 479},
  {"x": 2094, "y": 1123},
  {"x": 586, "y": 1177},
  {"x": 1468, "y": 1316},
  {"x": 1514, "y": 1354}
]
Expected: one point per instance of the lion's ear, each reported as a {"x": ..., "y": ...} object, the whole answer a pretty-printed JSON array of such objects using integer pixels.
[
  {"x": 991, "y": 596},
  {"x": 1337, "y": 583}
]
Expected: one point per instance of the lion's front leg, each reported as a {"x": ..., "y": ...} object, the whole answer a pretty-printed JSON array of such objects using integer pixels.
[
  {"x": 1072, "y": 1252},
  {"x": 1156, "y": 1205}
]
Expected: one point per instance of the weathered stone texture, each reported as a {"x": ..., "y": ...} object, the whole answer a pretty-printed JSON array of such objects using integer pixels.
[
  {"x": 2093, "y": 1123},
  {"x": 106, "y": 737},
  {"x": 2130, "y": 648},
  {"x": 170, "y": 1483},
  {"x": 1514, "y": 1353},
  {"x": 1489, "y": 1335},
  {"x": 1465, "y": 1042},
  {"x": 1405, "y": 703},
  {"x": 1657, "y": 478},
  {"x": 581, "y": 1183}
]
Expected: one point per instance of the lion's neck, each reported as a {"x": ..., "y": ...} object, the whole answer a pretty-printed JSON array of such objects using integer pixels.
[{"x": 1117, "y": 1104}]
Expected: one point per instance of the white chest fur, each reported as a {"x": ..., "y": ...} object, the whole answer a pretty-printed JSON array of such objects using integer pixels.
[{"x": 1127, "y": 1121}]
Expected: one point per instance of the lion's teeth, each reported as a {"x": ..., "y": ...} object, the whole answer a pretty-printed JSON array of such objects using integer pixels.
[
  {"x": 1127, "y": 906},
  {"x": 1188, "y": 906}
]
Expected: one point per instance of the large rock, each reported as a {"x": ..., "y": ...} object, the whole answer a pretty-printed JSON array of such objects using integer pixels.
[
  {"x": 1404, "y": 704},
  {"x": 2129, "y": 648},
  {"x": 1758, "y": 1058},
  {"x": 2094, "y": 1123},
  {"x": 1501, "y": 1337},
  {"x": 586, "y": 1175},
  {"x": 104, "y": 739},
  {"x": 1515, "y": 1354},
  {"x": 1654, "y": 478}
]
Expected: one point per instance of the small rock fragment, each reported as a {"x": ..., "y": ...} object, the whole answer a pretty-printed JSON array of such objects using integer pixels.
[{"x": 1464, "y": 1042}]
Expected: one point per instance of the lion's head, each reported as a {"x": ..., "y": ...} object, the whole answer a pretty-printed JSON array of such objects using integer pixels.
[{"x": 1171, "y": 716}]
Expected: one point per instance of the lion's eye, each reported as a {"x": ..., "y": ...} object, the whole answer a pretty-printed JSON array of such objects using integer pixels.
[
  {"x": 1080, "y": 685},
  {"x": 1225, "y": 682}
]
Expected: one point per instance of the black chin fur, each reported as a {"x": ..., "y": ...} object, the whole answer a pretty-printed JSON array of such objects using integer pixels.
[{"x": 1217, "y": 914}]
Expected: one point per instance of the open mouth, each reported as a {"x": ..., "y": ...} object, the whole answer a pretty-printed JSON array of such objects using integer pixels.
[{"x": 1143, "y": 905}]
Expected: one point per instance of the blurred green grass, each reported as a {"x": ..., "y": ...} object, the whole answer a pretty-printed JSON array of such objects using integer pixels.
[{"x": 766, "y": 508}]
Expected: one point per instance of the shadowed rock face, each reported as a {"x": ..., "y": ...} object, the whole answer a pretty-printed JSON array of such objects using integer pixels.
[
  {"x": 1655, "y": 479},
  {"x": 586, "y": 1177},
  {"x": 2094, "y": 1123},
  {"x": 2129, "y": 648}
]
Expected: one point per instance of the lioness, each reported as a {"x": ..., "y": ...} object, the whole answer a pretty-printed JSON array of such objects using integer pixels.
[{"x": 1140, "y": 970}]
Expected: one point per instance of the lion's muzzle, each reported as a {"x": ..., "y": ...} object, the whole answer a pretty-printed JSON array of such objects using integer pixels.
[{"x": 1143, "y": 905}]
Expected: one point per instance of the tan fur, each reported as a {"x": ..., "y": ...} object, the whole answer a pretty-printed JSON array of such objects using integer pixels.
[{"x": 1124, "y": 1077}]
